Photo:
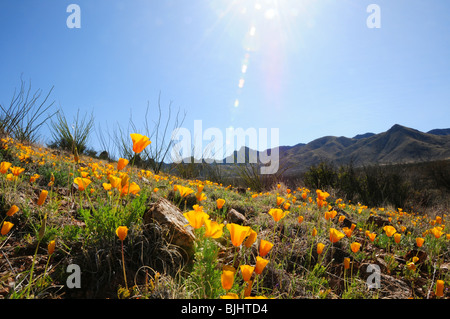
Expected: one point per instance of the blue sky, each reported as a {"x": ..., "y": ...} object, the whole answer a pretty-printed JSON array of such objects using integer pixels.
[{"x": 312, "y": 68}]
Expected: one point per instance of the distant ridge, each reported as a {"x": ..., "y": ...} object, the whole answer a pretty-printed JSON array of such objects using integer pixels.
[
  {"x": 360, "y": 136},
  {"x": 399, "y": 144},
  {"x": 440, "y": 131}
]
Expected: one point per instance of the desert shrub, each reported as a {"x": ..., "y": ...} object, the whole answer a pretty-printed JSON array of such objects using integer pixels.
[
  {"x": 25, "y": 114},
  {"x": 348, "y": 181},
  {"x": 158, "y": 132},
  {"x": 72, "y": 138},
  {"x": 380, "y": 187},
  {"x": 440, "y": 173},
  {"x": 372, "y": 185},
  {"x": 249, "y": 176},
  {"x": 321, "y": 176}
]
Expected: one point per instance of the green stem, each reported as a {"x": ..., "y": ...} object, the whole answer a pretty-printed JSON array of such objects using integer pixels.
[
  {"x": 46, "y": 266},
  {"x": 32, "y": 269},
  {"x": 123, "y": 264}
]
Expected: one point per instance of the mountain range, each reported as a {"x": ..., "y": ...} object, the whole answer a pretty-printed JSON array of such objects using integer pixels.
[{"x": 399, "y": 144}]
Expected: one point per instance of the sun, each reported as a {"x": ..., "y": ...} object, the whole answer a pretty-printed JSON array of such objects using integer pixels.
[{"x": 267, "y": 30}]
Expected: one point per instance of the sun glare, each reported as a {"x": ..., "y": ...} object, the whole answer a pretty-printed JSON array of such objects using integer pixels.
[{"x": 266, "y": 28}]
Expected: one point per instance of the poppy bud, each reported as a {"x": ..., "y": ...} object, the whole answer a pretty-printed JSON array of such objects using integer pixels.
[
  {"x": 439, "y": 288},
  {"x": 121, "y": 232},
  {"x": 14, "y": 209}
]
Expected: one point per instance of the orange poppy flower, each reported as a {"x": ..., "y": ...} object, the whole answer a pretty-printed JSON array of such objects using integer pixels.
[
  {"x": 251, "y": 238},
  {"x": 346, "y": 263},
  {"x": 261, "y": 263},
  {"x": 132, "y": 188},
  {"x": 277, "y": 214},
  {"x": 439, "y": 288},
  {"x": 122, "y": 163},
  {"x": 200, "y": 196},
  {"x": 390, "y": 230},
  {"x": 122, "y": 232},
  {"x": 34, "y": 178},
  {"x": 238, "y": 233},
  {"x": 280, "y": 200},
  {"x": 348, "y": 232},
  {"x": 82, "y": 183},
  {"x": 4, "y": 166},
  {"x": 213, "y": 229},
  {"x": 6, "y": 228},
  {"x": 437, "y": 231},
  {"x": 247, "y": 272},
  {"x": 264, "y": 247},
  {"x": 51, "y": 247},
  {"x": 14, "y": 209},
  {"x": 42, "y": 197},
  {"x": 330, "y": 214},
  {"x": 220, "y": 202},
  {"x": 411, "y": 266},
  {"x": 397, "y": 237},
  {"x": 16, "y": 171},
  {"x": 355, "y": 246},
  {"x": 372, "y": 236},
  {"x": 83, "y": 174},
  {"x": 227, "y": 277},
  {"x": 196, "y": 218},
  {"x": 419, "y": 241},
  {"x": 115, "y": 181},
  {"x": 335, "y": 235},
  {"x": 140, "y": 142},
  {"x": 184, "y": 191},
  {"x": 320, "y": 248},
  {"x": 322, "y": 195}
]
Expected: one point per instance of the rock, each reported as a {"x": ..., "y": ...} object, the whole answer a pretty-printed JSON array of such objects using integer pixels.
[
  {"x": 347, "y": 221},
  {"x": 390, "y": 286},
  {"x": 377, "y": 220},
  {"x": 170, "y": 216},
  {"x": 445, "y": 267},
  {"x": 394, "y": 288},
  {"x": 233, "y": 216}
]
